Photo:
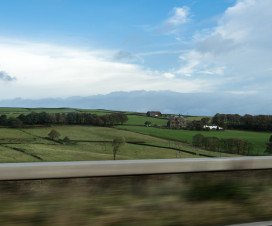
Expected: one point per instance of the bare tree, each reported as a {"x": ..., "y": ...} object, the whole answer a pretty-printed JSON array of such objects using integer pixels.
[{"x": 117, "y": 143}]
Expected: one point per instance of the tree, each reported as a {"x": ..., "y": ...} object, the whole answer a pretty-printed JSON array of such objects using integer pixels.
[
  {"x": 53, "y": 134},
  {"x": 205, "y": 121},
  {"x": 198, "y": 140},
  {"x": 269, "y": 146},
  {"x": 147, "y": 123},
  {"x": 3, "y": 120},
  {"x": 66, "y": 140},
  {"x": 117, "y": 143},
  {"x": 15, "y": 122}
]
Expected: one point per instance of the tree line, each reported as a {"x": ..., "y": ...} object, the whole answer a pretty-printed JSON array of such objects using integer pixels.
[
  {"x": 268, "y": 149},
  {"x": 73, "y": 118},
  {"x": 198, "y": 124},
  {"x": 232, "y": 145},
  {"x": 246, "y": 122}
]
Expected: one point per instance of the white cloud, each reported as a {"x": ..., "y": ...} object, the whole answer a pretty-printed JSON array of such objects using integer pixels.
[
  {"x": 168, "y": 75},
  {"x": 238, "y": 92},
  {"x": 46, "y": 70},
  {"x": 180, "y": 16},
  {"x": 238, "y": 50}
]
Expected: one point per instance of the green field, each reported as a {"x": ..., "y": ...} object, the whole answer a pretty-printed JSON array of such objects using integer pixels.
[
  {"x": 95, "y": 111},
  {"x": 89, "y": 143},
  {"x": 258, "y": 139},
  {"x": 52, "y": 110},
  {"x": 12, "y": 110},
  {"x": 36, "y": 147},
  {"x": 140, "y": 120},
  {"x": 15, "y": 112},
  {"x": 104, "y": 112},
  {"x": 157, "y": 142}
]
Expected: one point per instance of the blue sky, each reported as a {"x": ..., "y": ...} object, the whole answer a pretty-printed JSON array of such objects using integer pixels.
[{"x": 62, "y": 48}]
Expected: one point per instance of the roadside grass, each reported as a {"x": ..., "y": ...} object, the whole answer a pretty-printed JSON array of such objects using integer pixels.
[
  {"x": 258, "y": 139},
  {"x": 140, "y": 200}
]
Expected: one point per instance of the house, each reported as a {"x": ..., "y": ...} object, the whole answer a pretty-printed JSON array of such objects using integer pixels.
[
  {"x": 154, "y": 114},
  {"x": 168, "y": 115},
  {"x": 213, "y": 127},
  {"x": 177, "y": 122}
]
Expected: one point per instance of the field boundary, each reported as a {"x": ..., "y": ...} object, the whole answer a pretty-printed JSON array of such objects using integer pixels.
[{"x": 49, "y": 170}]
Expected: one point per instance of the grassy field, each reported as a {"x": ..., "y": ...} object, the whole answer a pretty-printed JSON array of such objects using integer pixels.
[
  {"x": 12, "y": 110},
  {"x": 258, "y": 139},
  {"x": 89, "y": 143},
  {"x": 95, "y": 111},
  {"x": 104, "y": 112},
  {"x": 52, "y": 110},
  {"x": 221, "y": 198},
  {"x": 140, "y": 120},
  {"x": 15, "y": 112},
  {"x": 93, "y": 143},
  {"x": 33, "y": 139}
]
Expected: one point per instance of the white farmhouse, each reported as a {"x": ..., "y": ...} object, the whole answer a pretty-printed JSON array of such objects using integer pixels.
[{"x": 213, "y": 127}]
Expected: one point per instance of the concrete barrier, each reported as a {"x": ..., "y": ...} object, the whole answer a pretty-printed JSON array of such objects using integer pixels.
[{"x": 46, "y": 170}]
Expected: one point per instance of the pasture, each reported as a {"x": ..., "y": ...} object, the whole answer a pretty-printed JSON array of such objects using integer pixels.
[
  {"x": 88, "y": 143},
  {"x": 155, "y": 142},
  {"x": 258, "y": 139},
  {"x": 140, "y": 120},
  {"x": 52, "y": 110}
]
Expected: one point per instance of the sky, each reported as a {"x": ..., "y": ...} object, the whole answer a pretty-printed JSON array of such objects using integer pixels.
[{"x": 64, "y": 48}]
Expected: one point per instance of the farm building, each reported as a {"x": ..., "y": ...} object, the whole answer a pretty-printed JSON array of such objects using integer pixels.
[
  {"x": 168, "y": 115},
  {"x": 212, "y": 127},
  {"x": 154, "y": 114},
  {"x": 177, "y": 122}
]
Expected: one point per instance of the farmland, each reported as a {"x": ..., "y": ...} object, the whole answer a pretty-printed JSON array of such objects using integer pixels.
[
  {"x": 140, "y": 120},
  {"x": 89, "y": 143},
  {"x": 31, "y": 143},
  {"x": 258, "y": 139}
]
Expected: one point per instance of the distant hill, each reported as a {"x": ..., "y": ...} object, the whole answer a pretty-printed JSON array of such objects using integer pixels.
[{"x": 164, "y": 101}]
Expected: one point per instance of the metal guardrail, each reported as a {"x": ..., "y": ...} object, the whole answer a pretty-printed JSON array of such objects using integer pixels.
[{"x": 47, "y": 170}]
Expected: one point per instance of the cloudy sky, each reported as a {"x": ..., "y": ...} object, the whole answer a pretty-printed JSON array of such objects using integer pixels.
[{"x": 63, "y": 48}]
